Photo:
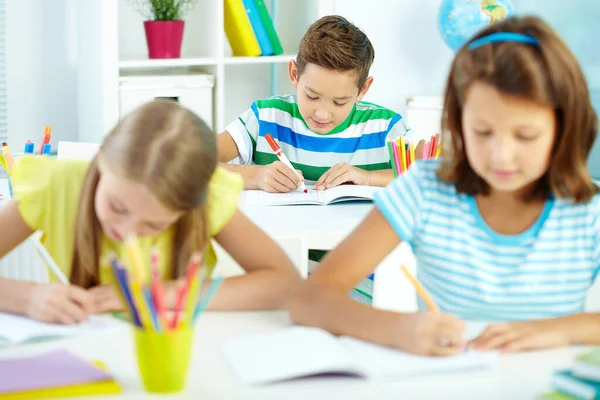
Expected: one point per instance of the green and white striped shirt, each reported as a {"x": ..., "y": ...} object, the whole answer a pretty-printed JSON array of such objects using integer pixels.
[{"x": 359, "y": 141}]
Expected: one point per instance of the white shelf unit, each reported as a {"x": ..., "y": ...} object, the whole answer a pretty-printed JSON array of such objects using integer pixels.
[{"x": 112, "y": 42}]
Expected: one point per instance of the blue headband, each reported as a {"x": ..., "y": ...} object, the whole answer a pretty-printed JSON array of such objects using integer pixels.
[{"x": 503, "y": 37}]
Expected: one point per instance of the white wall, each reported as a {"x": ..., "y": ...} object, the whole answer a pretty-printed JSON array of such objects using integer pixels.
[
  {"x": 410, "y": 57},
  {"x": 41, "y": 70}
]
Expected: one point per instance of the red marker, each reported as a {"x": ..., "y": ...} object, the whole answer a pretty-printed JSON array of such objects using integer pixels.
[{"x": 277, "y": 150}]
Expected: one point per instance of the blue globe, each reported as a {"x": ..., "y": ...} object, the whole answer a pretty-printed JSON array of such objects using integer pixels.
[{"x": 459, "y": 20}]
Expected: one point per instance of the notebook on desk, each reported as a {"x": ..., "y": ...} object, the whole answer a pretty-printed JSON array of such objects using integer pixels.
[
  {"x": 338, "y": 194},
  {"x": 298, "y": 352},
  {"x": 51, "y": 375},
  {"x": 16, "y": 329}
]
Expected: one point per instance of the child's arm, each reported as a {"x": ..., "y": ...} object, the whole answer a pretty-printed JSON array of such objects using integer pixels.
[
  {"x": 270, "y": 275},
  {"x": 323, "y": 299},
  {"x": 45, "y": 302},
  {"x": 346, "y": 173},
  {"x": 582, "y": 328},
  {"x": 275, "y": 177}
]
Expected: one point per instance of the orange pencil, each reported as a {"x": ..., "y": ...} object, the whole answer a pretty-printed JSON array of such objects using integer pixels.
[
  {"x": 46, "y": 137},
  {"x": 420, "y": 290}
]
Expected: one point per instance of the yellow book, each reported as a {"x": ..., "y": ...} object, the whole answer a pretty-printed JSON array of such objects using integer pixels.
[
  {"x": 239, "y": 30},
  {"x": 84, "y": 389}
]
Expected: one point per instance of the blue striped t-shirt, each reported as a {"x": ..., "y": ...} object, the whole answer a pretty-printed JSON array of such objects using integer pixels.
[{"x": 476, "y": 273}]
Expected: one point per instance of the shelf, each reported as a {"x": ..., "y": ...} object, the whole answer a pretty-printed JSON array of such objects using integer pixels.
[
  {"x": 170, "y": 62},
  {"x": 283, "y": 58}
]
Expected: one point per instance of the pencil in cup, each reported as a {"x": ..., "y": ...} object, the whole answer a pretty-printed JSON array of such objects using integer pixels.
[
  {"x": 162, "y": 350},
  {"x": 421, "y": 291},
  {"x": 282, "y": 157}
]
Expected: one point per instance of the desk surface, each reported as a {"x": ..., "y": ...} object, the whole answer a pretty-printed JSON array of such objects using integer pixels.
[
  {"x": 323, "y": 226},
  {"x": 519, "y": 376}
]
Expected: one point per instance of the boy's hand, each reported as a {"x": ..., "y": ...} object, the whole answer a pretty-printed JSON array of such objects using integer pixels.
[
  {"x": 431, "y": 333},
  {"x": 57, "y": 303},
  {"x": 105, "y": 299},
  {"x": 342, "y": 173},
  {"x": 521, "y": 335},
  {"x": 278, "y": 178}
]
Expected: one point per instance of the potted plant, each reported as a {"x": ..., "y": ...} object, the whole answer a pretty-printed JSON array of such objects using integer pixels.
[{"x": 164, "y": 25}]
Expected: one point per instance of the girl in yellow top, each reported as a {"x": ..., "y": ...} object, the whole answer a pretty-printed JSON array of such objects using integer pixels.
[{"x": 155, "y": 175}]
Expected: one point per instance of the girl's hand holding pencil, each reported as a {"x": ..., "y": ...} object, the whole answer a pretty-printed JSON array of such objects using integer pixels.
[{"x": 58, "y": 303}]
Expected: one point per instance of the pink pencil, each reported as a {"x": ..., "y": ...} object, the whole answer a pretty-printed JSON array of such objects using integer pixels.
[
  {"x": 396, "y": 159},
  {"x": 426, "y": 151}
]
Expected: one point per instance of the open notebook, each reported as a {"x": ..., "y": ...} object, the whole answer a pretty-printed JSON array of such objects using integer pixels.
[
  {"x": 18, "y": 329},
  {"x": 337, "y": 194},
  {"x": 297, "y": 352}
]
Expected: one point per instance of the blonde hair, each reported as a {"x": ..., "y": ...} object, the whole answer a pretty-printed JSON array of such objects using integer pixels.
[{"x": 171, "y": 151}]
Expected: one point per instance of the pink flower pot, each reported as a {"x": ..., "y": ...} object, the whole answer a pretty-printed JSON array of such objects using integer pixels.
[{"x": 164, "y": 38}]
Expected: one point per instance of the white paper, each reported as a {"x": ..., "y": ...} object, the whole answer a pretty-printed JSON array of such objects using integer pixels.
[
  {"x": 303, "y": 351},
  {"x": 18, "y": 328},
  {"x": 317, "y": 197},
  {"x": 289, "y": 353}
]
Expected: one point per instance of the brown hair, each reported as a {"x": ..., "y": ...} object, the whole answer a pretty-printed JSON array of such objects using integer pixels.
[
  {"x": 547, "y": 74},
  {"x": 172, "y": 152},
  {"x": 333, "y": 42}
]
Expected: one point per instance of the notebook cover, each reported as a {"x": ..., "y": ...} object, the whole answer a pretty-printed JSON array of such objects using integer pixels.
[
  {"x": 239, "y": 31},
  {"x": 87, "y": 389},
  {"x": 50, "y": 370},
  {"x": 269, "y": 27}
]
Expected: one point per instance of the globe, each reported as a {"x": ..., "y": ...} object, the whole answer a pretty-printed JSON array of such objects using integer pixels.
[{"x": 459, "y": 20}]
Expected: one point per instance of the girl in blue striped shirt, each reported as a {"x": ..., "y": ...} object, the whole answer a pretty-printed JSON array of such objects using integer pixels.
[{"x": 506, "y": 227}]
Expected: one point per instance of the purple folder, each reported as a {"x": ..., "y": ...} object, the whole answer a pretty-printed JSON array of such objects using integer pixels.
[{"x": 50, "y": 370}]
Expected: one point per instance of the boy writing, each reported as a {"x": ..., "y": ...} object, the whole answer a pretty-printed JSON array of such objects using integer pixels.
[{"x": 325, "y": 130}]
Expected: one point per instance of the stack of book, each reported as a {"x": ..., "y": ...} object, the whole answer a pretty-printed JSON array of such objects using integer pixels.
[
  {"x": 249, "y": 29},
  {"x": 581, "y": 381}
]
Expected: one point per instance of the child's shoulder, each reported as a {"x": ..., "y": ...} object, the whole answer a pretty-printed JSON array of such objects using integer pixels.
[
  {"x": 40, "y": 166},
  {"x": 367, "y": 110},
  {"x": 276, "y": 101}
]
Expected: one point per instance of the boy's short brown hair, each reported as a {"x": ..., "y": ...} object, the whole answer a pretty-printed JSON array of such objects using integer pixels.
[
  {"x": 333, "y": 42},
  {"x": 547, "y": 74}
]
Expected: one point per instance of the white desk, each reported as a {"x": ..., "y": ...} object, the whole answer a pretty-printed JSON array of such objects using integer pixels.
[
  {"x": 322, "y": 226},
  {"x": 519, "y": 376}
]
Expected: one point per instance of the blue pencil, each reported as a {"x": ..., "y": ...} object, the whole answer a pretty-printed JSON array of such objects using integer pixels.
[
  {"x": 150, "y": 304},
  {"x": 203, "y": 303},
  {"x": 121, "y": 277}
]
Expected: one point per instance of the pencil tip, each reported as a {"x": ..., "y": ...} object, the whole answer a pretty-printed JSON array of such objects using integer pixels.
[{"x": 305, "y": 190}]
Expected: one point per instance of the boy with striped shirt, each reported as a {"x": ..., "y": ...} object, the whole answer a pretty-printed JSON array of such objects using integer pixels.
[{"x": 325, "y": 130}]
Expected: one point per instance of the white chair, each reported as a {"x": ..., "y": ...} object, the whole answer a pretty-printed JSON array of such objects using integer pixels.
[
  {"x": 77, "y": 150},
  {"x": 392, "y": 291},
  {"x": 294, "y": 247}
]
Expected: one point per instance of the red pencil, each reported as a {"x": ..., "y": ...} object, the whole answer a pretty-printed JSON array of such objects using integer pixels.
[
  {"x": 192, "y": 270},
  {"x": 282, "y": 157}
]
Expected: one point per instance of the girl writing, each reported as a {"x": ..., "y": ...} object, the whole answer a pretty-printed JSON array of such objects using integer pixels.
[
  {"x": 505, "y": 227},
  {"x": 155, "y": 176}
]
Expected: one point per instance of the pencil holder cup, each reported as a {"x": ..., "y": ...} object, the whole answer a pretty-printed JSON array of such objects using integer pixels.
[{"x": 163, "y": 358}]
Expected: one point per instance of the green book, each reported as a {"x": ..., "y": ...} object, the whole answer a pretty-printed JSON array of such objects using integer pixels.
[
  {"x": 556, "y": 396},
  {"x": 268, "y": 24},
  {"x": 587, "y": 365}
]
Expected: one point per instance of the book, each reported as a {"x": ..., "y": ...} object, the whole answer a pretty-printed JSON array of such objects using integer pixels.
[
  {"x": 587, "y": 365},
  {"x": 556, "y": 396},
  {"x": 338, "y": 194},
  {"x": 239, "y": 30},
  {"x": 299, "y": 351},
  {"x": 269, "y": 27},
  {"x": 55, "y": 374},
  {"x": 19, "y": 329},
  {"x": 565, "y": 382},
  {"x": 258, "y": 27}
]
